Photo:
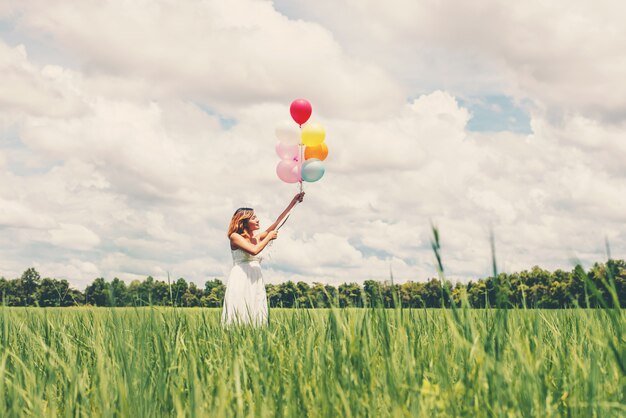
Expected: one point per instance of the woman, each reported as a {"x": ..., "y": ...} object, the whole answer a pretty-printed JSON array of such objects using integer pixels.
[{"x": 245, "y": 301}]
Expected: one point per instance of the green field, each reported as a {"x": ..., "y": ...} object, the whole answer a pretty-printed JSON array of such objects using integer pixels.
[{"x": 151, "y": 362}]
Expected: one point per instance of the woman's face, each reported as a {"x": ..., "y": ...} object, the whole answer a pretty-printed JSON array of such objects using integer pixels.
[{"x": 253, "y": 223}]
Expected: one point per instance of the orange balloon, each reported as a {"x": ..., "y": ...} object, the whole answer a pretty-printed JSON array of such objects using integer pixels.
[{"x": 319, "y": 151}]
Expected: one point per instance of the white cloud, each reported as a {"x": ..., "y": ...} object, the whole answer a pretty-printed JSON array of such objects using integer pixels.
[
  {"x": 567, "y": 55},
  {"x": 73, "y": 236},
  {"x": 27, "y": 89},
  {"x": 16, "y": 214},
  {"x": 234, "y": 53},
  {"x": 132, "y": 164},
  {"x": 81, "y": 272}
]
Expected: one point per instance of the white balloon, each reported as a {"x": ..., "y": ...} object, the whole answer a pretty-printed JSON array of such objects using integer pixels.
[
  {"x": 287, "y": 151},
  {"x": 288, "y": 133}
]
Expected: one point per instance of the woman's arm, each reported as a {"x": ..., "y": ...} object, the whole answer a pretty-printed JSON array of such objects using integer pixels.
[
  {"x": 238, "y": 241},
  {"x": 297, "y": 198}
]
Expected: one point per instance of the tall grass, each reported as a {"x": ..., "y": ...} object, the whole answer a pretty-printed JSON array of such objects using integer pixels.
[{"x": 150, "y": 362}]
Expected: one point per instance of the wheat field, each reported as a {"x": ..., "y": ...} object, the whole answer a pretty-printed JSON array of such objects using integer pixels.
[{"x": 151, "y": 362}]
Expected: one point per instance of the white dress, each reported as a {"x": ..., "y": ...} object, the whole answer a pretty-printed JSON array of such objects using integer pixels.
[{"x": 245, "y": 301}]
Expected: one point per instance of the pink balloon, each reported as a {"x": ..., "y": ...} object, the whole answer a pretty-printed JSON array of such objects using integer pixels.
[
  {"x": 288, "y": 171},
  {"x": 300, "y": 111},
  {"x": 287, "y": 152}
]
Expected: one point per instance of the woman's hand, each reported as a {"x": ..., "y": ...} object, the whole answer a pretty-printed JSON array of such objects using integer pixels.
[
  {"x": 272, "y": 235},
  {"x": 298, "y": 198}
]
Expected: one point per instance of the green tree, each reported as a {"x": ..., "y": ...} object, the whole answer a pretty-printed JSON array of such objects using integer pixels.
[
  {"x": 459, "y": 294},
  {"x": 603, "y": 285},
  {"x": 477, "y": 294},
  {"x": 119, "y": 295},
  {"x": 373, "y": 293},
  {"x": 160, "y": 293},
  {"x": 97, "y": 293},
  {"x": 178, "y": 290},
  {"x": 432, "y": 293},
  {"x": 411, "y": 294},
  {"x": 190, "y": 300},
  {"x": 146, "y": 294},
  {"x": 392, "y": 296},
  {"x": 350, "y": 295},
  {"x": 213, "y": 295},
  {"x": 214, "y": 291},
  {"x": 52, "y": 292},
  {"x": 320, "y": 296},
  {"x": 74, "y": 297},
  {"x": 287, "y": 292},
  {"x": 28, "y": 284},
  {"x": 195, "y": 290},
  {"x": 303, "y": 295},
  {"x": 559, "y": 293},
  {"x": 134, "y": 293},
  {"x": 192, "y": 296},
  {"x": 618, "y": 270},
  {"x": 333, "y": 294},
  {"x": 5, "y": 292}
]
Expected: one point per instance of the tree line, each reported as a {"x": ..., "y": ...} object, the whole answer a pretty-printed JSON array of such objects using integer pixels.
[{"x": 604, "y": 284}]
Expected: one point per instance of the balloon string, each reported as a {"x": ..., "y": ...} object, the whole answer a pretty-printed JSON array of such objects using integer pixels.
[
  {"x": 301, "y": 162},
  {"x": 283, "y": 223}
]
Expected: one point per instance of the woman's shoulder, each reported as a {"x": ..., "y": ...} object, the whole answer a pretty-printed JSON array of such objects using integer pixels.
[
  {"x": 232, "y": 238},
  {"x": 236, "y": 237}
]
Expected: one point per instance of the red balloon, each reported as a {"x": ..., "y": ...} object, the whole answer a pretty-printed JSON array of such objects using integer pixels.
[{"x": 300, "y": 111}]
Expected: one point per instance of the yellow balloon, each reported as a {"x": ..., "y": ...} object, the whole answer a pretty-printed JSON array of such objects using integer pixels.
[{"x": 312, "y": 134}]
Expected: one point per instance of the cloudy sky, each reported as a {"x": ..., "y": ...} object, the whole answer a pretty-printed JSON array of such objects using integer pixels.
[{"x": 131, "y": 130}]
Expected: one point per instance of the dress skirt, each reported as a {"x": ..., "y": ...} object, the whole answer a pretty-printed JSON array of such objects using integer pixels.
[{"x": 245, "y": 300}]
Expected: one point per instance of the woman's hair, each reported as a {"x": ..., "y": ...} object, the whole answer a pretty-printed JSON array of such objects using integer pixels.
[{"x": 239, "y": 222}]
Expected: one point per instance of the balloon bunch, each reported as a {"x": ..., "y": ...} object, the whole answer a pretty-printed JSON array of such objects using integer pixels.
[{"x": 301, "y": 150}]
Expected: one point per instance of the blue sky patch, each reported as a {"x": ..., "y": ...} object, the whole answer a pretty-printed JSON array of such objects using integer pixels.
[
  {"x": 225, "y": 123},
  {"x": 17, "y": 151},
  {"x": 41, "y": 50},
  {"x": 496, "y": 113},
  {"x": 368, "y": 251}
]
